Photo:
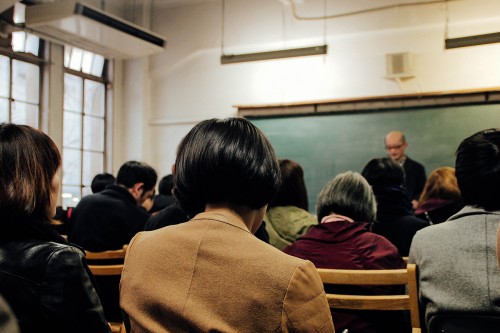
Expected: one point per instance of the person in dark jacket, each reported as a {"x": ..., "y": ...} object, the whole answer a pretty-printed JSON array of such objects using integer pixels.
[
  {"x": 346, "y": 207},
  {"x": 109, "y": 219},
  {"x": 164, "y": 198},
  {"x": 395, "y": 218},
  {"x": 414, "y": 180},
  {"x": 44, "y": 279}
]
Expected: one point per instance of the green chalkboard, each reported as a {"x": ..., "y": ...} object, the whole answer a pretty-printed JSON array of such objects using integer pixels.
[{"x": 325, "y": 145}]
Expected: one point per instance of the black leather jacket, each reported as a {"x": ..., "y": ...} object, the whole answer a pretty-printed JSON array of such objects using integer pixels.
[{"x": 47, "y": 283}]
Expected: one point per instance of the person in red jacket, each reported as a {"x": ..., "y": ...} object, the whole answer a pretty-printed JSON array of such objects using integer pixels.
[{"x": 346, "y": 208}]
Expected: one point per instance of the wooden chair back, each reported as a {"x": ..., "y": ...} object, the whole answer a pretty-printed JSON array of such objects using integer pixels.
[
  {"x": 386, "y": 277},
  {"x": 105, "y": 269},
  {"x": 106, "y": 255}
]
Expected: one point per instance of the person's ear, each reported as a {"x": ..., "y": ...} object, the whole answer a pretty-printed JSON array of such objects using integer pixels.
[{"x": 137, "y": 190}]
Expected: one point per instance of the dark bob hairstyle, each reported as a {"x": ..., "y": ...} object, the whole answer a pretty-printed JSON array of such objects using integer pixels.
[
  {"x": 225, "y": 161},
  {"x": 477, "y": 168},
  {"x": 29, "y": 159},
  {"x": 384, "y": 172}
]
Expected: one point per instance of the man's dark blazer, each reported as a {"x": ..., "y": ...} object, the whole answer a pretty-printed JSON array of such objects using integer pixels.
[{"x": 414, "y": 178}]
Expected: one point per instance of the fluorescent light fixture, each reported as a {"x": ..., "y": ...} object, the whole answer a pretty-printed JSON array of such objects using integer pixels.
[
  {"x": 305, "y": 51},
  {"x": 452, "y": 43},
  {"x": 80, "y": 25}
]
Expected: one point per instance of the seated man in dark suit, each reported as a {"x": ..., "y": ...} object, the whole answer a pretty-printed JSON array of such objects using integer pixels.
[{"x": 395, "y": 145}]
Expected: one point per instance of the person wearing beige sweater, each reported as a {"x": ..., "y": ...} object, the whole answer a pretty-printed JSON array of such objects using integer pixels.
[{"x": 211, "y": 274}]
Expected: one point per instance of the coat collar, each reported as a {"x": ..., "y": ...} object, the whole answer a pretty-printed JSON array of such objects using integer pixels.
[
  {"x": 469, "y": 210},
  {"x": 227, "y": 218}
]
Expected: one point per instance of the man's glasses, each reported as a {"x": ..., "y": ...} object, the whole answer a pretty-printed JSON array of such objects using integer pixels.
[{"x": 393, "y": 147}]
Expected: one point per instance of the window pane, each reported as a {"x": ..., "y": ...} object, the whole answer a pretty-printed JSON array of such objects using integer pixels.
[
  {"x": 97, "y": 65},
  {"x": 4, "y": 110},
  {"x": 4, "y": 76},
  {"x": 67, "y": 55},
  {"x": 73, "y": 87},
  {"x": 18, "y": 41},
  {"x": 71, "y": 166},
  {"x": 93, "y": 163},
  {"x": 32, "y": 44},
  {"x": 75, "y": 193},
  {"x": 76, "y": 59},
  {"x": 93, "y": 136},
  {"x": 94, "y": 98},
  {"x": 86, "y": 190},
  {"x": 87, "y": 61},
  {"x": 72, "y": 130},
  {"x": 25, "y": 81},
  {"x": 25, "y": 114}
]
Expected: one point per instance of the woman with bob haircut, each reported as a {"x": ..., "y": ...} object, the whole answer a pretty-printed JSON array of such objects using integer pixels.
[
  {"x": 441, "y": 197},
  {"x": 287, "y": 216},
  {"x": 44, "y": 279},
  {"x": 346, "y": 208},
  {"x": 211, "y": 274}
]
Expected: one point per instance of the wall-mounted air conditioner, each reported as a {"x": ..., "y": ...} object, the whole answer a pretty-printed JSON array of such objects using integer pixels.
[{"x": 80, "y": 25}]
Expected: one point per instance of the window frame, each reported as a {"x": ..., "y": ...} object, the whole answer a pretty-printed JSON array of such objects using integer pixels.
[{"x": 106, "y": 83}]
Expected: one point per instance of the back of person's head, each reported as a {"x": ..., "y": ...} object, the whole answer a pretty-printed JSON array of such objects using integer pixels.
[
  {"x": 347, "y": 194},
  {"x": 292, "y": 191},
  {"x": 101, "y": 181},
  {"x": 441, "y": 184},
  {"x": 133, "y": 172},
  {"x": 477, "y": 168},
  {"x": 384, "y": 172},
  {"x": 225, "y": 161},
  {"x": 166, "y": 185},
  {"x": 29, "y": 160}
]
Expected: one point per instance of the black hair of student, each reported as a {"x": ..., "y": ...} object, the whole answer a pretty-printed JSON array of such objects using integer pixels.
[
  {"x": 477, "y": 168},
  {"x": 293, "y": 190},
  {"x": 225, "y": 161},
  {"x": 29, "y": 160},
  {"x": 166, "y": 185},
  {"x": 101, "y": 181},
  {"x": 133, "y": 172},
  {"x": 383, "y": 172}
]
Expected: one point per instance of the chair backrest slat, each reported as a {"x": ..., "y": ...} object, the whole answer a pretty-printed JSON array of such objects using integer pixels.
[
  {"x": 406, "y": 276},
  {"x": 364, "y": 277},
  {"x": 106, "y": 269},
  {"x": 112, "y": 254}
]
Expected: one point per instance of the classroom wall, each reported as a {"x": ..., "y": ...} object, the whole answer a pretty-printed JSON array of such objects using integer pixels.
[{"x": 187, "y": 83}]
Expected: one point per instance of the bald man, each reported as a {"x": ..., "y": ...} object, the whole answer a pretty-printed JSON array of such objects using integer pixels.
[{"x": 395, "y": 145}]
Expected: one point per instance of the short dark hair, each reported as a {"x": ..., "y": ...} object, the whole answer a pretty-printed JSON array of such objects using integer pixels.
[
  {"x": 101, "y": 181},
  {"x": 347, "y": 194},
  {"x": 293, "y": 190},
  {"x": 384, "y": 172},
  {"x": 133, "y": 172},
  {"x": 29, "y": 160},
  {"x": 166, "y": 185},
  {"x": 477, "y": 168},
  {"x": 225, "y": 160}
]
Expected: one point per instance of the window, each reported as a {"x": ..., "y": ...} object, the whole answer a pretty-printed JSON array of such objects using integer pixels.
[
  {"x": 20, "y": 80},
  {"x": 84, "y": 141}
]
